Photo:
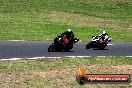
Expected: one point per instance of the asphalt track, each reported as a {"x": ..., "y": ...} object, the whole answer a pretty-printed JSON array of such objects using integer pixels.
[{"x": 30, "y": 49}]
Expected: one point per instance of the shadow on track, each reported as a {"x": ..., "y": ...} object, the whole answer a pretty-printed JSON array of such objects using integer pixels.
[{"x": 99, "y": 49}]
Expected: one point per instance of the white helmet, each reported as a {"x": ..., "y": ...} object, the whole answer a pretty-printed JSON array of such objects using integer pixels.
[
  {"x": 103, "y": 32},
  {"x": 69, "y": 30}
]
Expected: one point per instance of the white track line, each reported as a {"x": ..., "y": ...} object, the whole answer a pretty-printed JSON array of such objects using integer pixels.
[
  {"x": 101, "y": 56},
  {"x": 128, "y": 56},
  {"x": 15, "y": 40},
  {"x": 77, "y": 56},
  {"x": 10, "y": 59},
  {"x": 35, "y": 58}
]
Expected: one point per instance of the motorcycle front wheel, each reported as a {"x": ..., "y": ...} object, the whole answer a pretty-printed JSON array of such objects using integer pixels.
[{"x": 51, "y": 48}]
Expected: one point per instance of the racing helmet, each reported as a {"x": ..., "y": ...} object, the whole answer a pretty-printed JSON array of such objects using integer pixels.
[
  {"x": 69, "y": 30},
  {"x": 103, "y": 32}
]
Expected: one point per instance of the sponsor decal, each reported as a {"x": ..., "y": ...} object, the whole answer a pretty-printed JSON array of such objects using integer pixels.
[{"x": 83, "y": 78}]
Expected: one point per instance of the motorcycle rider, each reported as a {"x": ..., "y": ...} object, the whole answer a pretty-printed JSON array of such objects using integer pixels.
[
  {"x": 103, "y": 36},
  {"x": 68, "y": 34}
]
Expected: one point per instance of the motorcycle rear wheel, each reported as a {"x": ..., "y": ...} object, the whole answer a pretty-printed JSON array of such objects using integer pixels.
[{"x": 88, "y": 46}]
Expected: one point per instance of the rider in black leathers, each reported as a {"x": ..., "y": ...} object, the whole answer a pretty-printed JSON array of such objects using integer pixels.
[{"x": 68, "y": 34}]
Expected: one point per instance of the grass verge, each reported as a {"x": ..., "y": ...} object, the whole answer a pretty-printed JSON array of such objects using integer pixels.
[
  {"x": 44, "y": 20},
  {"x": 49, "y": 73}
]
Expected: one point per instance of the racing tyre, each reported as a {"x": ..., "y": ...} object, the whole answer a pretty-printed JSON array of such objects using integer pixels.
[
  {"x": 68, "y": 47},
  {"x": 88, "y": 45}
]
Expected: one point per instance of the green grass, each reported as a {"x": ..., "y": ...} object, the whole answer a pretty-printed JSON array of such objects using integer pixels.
[
  {"x": 31, "y": 73},
  {"x": 44, "y": 20}
]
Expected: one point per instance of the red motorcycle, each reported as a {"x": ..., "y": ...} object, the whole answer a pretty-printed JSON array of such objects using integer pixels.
[{"x": 62, "y": 44}]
